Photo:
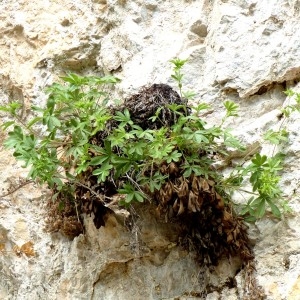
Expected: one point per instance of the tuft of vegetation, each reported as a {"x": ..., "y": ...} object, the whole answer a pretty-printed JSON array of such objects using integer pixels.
[{"x": 153, "y": 147}]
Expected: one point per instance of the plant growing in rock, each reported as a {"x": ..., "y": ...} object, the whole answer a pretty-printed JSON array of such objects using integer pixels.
[
  {"x": 263, "y": 173},
  {"x": 154, "y": 147}
]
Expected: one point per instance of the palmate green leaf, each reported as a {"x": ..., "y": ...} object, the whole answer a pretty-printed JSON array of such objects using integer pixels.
[
  {"x": 123, "y": 117},
  {"x": 232, "y": 141},
  {"x": 189, "y": 95},
  {"x": 5, "y": 108},
  {"x": 138, "y": 196},
  {"x": 30, "y": 142},
  {"x": 231, "y": 108},
  {"x": 274, "y": 164},
  {"x": 131, "y": 194},
  {"x": 176, "y": 107},
  {"x": 201, "y": 106},
  {"x": 289, "y": 93},
  {"x": 75, "y": 79},
  {"x": 259, "y": 160},
  {"x": 126, "y": 189},
  {"x": 58, "y": 182},
  {"x": 37, "y": 108},
  {"x": 11, "y": 107},
  {"x": 199, "y": 136},
  {"x": 122, "y": 168},
  {"x": 103, "y": 172},
  {"x": 276, "y": 137},
  {"x": 153, "y": 185},
  {"x": 115, "y": 159},
  {"x": 138, "y": 148},
  {"x": 82, "y": 167},
  {"x": 250, "y": 219},
  {"x": 199, "y": 171},
  {"x": 153, "y": 181},
  {"x": 174, "y": 156},
  {"x": 77, "y": 150},
  {"x": 51, "y": 122},
  {"x": 246, "y": 207},
  {"x": 107, "y": 148},
  {"x": 118, "y": 137},
  {"x": 50, "y": 106},
  {"x": 160, "y": 151},
  {"x": 15, "y": 138},
  {"x": 178, "y": 63},
  {"x": 254, "y": 179},
  {"x": 146, "y": 134},
  {"x": 99, "y": 120},
  {"x": 129, "y": 198},
  {"x": 26, "y": 156}
]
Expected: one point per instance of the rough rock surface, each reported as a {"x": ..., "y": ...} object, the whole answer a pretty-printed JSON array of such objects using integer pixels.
[{"x": 244, "y": 50}]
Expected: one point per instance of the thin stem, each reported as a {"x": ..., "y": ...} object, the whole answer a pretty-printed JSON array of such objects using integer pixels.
[{"x": 21, "y": 185}]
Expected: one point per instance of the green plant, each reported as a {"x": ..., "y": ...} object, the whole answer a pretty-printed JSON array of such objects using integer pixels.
[
  {"x": 265, "y": 181},
  {"x": 56, "y": 139},
  {"x": 61, "y": 145},
  {"x": 263, "y": 175},
  {"x": 154, "y": 147}
]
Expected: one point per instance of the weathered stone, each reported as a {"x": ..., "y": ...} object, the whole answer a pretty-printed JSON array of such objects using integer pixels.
[
  {"x": 199, "y": 28},
  {"x": 246, "y": 51}
]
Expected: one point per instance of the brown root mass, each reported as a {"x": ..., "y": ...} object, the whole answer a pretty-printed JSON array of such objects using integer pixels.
[{"x": 144, "y": 105}]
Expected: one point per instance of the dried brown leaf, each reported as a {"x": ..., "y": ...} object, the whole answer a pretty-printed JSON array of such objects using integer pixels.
[
  {"x": 27, "y": 249},
  {"x": 2, "y": 247},
  {"x": 181, "y": 208},
  {"x": 192, "y": 202}
]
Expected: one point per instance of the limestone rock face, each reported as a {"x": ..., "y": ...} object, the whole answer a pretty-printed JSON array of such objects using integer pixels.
[{"x": 247, "y": 51}]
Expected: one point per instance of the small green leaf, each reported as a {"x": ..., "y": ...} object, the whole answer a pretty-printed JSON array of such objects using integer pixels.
[
  {"x": 188, "y": 171},
  {"x": 106, "y": 79},
  {"x": 138, "y": 196},
  {"x": 174, "y": 156},
  {"x": 103, "y": 172},
  {"x": 7, "y": 124},
  {"x": 259, "y": 160},
  {"x": 34, "y": 121},
  {"x": 98, "y": 160},
  {"x": 261, "y": 208},
  {"x": 245, "y": 210},
  {"x": 11, "y": 107},
  {"x": 201, "y": 106},
  {"x": 250, "y": 219},
  {"x": 289, "y": 93},
  {"x": 231, "y": 108},
  {"x": 189, "y": 95},
  {"x": 232, "y": 141},
  {"x": 178, "y": 63},
  {"x": 274, "y": 208},
  {"x": 200, "y": 137}
]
